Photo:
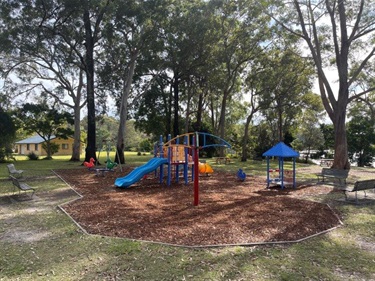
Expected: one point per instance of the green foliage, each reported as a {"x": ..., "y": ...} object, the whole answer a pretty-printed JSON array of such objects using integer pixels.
[
  {"x": 329, "y": 136},
  {"x": 361, "y": 139},
  {"x": 153, "y": 111},
  {"x": 53, "y": 148},
  {"x": 146, "y": 145},
  {"x": 46, "y": 122},
  {"x": 7, "y": 135},
  {"x": 32, "y": 156},
  {"x": 264, "y": 140}
]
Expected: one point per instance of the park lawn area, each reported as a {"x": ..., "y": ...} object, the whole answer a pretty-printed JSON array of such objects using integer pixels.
[{"x": 40, "y": 242}]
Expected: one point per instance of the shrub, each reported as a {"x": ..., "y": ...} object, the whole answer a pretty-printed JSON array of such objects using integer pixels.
[{"x": 32, "y": 156}]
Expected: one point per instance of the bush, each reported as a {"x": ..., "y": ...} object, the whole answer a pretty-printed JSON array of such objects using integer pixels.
[{"x": 32, "y": 156}]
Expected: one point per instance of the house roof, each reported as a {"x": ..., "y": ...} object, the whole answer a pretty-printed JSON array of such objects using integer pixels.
[
  {"x": 281, "y": 150},
  {"x": 33, "y": 140}
]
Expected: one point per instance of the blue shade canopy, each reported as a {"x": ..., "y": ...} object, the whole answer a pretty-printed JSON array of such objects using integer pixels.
[{"x": 281, "y": 150}]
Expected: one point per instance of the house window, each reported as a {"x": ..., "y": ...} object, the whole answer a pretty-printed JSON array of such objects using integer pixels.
[
  {"x": 36, "y": 147},
  {"x": 65, "y": 146},
  {"x": 28, "y": 146}
]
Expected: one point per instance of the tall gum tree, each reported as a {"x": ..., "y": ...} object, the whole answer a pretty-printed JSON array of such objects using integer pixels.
[
  {"x": 40, "y": 61},
  {"x": 241, "y": 30},
  {"x": 339, "y": 36},
  {"x": 74, "y": 25},
  {"x": 129, "y": 35}
]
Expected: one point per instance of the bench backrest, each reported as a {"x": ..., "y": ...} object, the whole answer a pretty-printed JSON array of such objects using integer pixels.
[
  {"x": 15, "y": 182},
  {"x": 335, "y": 172},
  {"x": 363, "y": 185},
  {"x": 11, "y": 168}
]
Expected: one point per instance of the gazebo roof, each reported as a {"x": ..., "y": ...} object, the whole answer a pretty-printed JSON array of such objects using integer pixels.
[{"x": 281, "y": 150}]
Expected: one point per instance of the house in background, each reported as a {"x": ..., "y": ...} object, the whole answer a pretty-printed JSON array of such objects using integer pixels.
[{"x": 34, "y": 145}]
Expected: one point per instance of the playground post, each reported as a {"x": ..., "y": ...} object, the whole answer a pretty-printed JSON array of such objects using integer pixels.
[{"x": 196, "y": 170}]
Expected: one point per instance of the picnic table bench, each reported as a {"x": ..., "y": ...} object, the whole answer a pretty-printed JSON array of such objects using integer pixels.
[
  {"x": 21, "y": 186},
  {"x": 333, "y": 174},
  {"x": 224, "y": 160},
  {"x": 361, "y": 185}
]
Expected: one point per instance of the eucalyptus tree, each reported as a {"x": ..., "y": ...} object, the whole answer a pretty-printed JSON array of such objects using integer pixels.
[
  {"x": 153, "y": 108},
  {"x": 255, "y": 89},
  {"x": 39, "y": 61},
  {"x": 241, "y": 29},
  {"x": 57, "y": 38},
  {"x": 339, "y": 36},
  {"x": 129, "y": 34},
  {"x": 308, "y": 134},
  {"x": 178, "y": 61},
  {"x": 186, "y": 32},
  {"x": 48, "y": 70},
  {"x": 79, "y": 26},
  {"x": 288, "y": 80}
]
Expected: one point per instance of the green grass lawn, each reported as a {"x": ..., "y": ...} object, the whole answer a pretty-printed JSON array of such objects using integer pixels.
[{"x": 40, "y": 242}]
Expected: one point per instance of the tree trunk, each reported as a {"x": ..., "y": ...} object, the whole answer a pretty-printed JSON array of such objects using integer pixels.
[
  {"x": 168, "y": 117},
  {"x": 198, "y": 124},
  {"x": 89, "y": 63},
  {"x": 213, "y": 123},
  {"x": 222, "y": 120},
  {"x": 246, "y": 138},
  {"x": 76, "y": 150},
  {"x": 176, "y": 129},
  {"x": 341, "y": 160},
  {"x": 188, "y": 105},
  {"x": 120, "y": 156}
]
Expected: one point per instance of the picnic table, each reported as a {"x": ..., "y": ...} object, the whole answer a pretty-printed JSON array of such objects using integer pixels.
[
  {"x": 326, "y": 162},
  {"x": 224, "y": 160}
]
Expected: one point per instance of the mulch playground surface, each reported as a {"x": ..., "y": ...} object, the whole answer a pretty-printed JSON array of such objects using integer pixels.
[{"x": 229, "y": 211}]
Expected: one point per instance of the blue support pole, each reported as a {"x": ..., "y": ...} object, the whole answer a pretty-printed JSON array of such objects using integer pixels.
[
  {"x": 161, "y": 174},
  {"x": 186, "y": 164},
  {"x": 196, "y": 176},
  {"x": 294, "y": 172},
  {"x": 281, "y": 172},
  {"x": 169, "y": 167},
  {"x": 177, "y": 165},
  {"x": 268, "y": 172}
]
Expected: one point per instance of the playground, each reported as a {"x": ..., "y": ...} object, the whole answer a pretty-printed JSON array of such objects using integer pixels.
[{"x": 230, "y": 211}]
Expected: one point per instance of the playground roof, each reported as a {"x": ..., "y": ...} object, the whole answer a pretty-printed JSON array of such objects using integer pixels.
[{"x": 281, "y": 150}]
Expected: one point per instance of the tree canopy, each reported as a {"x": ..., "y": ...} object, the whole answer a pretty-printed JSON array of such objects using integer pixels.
[{"x": 242, "y": 70}]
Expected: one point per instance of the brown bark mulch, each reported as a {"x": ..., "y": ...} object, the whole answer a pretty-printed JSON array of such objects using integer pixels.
[{"x": 229, "y": 211}]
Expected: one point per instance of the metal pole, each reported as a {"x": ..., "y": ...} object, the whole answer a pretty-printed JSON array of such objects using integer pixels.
[{"x": 196, "y": 172}]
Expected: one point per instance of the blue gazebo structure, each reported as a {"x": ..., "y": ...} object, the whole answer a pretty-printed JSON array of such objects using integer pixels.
[{"x": 281, "y": 150}]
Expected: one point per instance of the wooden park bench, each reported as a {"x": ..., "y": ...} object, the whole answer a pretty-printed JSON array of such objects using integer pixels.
[
  {"x": 333, "y": 174},
  {"x": 13, "y": 171},
  {"x": 362, "y": 185},
  {"x": 22, "y": 186}
]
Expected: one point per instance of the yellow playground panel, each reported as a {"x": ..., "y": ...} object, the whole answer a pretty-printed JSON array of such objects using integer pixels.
[{"x": 177, "y": 153}]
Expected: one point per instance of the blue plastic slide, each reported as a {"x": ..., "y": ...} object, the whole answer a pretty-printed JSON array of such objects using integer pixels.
[{"x": 140, "y": 171}]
